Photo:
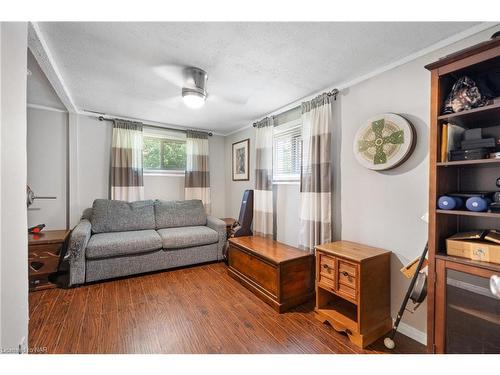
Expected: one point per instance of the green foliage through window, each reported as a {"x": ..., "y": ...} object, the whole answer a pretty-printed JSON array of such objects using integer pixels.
[{"x": 164, "y": 154}]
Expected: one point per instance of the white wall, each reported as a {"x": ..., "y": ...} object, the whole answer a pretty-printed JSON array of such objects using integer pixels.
[
  {"x": 217, "y": 175},
  {"x": 235, "y": 189},
  {"x": 93, "y": 155},
  {"x": 13, "y": 217},
  {"x": 287, "y": 196},
  {"x": 381, "y": 209},
  {"x": 93, "y": 148},
  {"x": 47, "y": 166},
  {"x": 167, "y": 188}
]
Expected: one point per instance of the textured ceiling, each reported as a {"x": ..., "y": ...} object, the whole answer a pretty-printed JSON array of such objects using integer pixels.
[
  {"x": 40, "y": 91},
  {"x": 132, "y": 69}
]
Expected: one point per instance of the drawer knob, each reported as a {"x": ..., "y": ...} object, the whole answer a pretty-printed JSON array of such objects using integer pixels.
[{"x": 349, "y": 277}]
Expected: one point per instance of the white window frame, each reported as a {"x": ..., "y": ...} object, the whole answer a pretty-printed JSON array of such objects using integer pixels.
[
  {"x": 164, "y": 134},
  {"x": 286, "y": 179}
]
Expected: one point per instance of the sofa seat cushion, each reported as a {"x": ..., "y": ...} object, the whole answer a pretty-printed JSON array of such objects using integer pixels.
[
  {"x": 105, "y": 245},
  {"x": 182, "y": 237}
]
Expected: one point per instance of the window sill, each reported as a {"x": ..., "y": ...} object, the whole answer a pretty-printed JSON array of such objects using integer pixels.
[
  {"x": 286, "y": 182},
  {"x": 165, "y": 174}
]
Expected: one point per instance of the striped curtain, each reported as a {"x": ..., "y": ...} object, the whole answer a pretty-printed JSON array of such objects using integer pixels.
[
  {"x": 315, "y": 185},
  {"x": 126, "y": 161},
  {"x": 263, "y": 194},
  {"x": 197, "y": 180}
]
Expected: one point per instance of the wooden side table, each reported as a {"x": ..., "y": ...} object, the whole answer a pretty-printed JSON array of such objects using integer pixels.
[
  {"x": 353, "y": 290},
  {"x": 44, "y": 251}
]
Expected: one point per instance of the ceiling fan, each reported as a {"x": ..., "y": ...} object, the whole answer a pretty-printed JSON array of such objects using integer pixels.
[{"x": 192, "y": 82}]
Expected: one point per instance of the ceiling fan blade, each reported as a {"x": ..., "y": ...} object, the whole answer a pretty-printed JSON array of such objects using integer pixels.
[
  {"x": 172, "y": 73},
  {"x": 233, "y": 100},
  {"x": 174, "y": 102}
]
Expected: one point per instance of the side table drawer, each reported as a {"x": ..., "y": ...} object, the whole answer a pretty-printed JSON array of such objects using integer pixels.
[
  {"x": 43, "y": 261},
  {"x": 42, "y": 266},
  {"x": 347, "y": 274},
  {"x": 326, "y": 272}
]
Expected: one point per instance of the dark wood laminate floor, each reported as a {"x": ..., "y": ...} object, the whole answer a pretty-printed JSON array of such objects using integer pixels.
[{"x": 191, "y": 310}]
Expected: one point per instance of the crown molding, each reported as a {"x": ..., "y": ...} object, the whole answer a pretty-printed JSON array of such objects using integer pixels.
[
  {"x": 46, "y": 108},
  {"x": 40, "y": 50}
]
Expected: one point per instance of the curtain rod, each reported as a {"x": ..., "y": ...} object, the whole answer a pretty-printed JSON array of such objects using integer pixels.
[
  {"x": 102, "y": 118},
  {"x": 333, "y": 93}
]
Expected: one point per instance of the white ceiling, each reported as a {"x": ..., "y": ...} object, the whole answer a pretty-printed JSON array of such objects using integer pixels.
[
  {"x": 40, "y": 91},
  {"x": 129, "y": 69}
]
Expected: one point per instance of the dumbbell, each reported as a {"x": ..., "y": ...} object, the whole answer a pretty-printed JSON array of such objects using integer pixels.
[
  {"x": 477, "y": 204},
  {"x": 446, "y": 202}
]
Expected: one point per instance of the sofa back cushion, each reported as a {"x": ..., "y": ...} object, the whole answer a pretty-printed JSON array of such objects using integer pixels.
[
  {"x": 171, "y": 214},
  {"x": 119, "y": 216}
]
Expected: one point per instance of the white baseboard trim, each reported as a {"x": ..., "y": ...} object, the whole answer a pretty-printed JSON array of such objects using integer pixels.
[{"x": 412, "y": 333}]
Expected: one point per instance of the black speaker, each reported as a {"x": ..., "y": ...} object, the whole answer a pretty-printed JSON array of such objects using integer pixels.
[{"x": 244, "y": 224}]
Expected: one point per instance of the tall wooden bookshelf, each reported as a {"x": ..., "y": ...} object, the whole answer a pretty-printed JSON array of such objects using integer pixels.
[{"x": 445, "y": 177}]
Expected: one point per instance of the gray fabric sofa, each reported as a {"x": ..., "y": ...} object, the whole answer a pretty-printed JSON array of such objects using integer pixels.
[{"x": 117, "y": 238}]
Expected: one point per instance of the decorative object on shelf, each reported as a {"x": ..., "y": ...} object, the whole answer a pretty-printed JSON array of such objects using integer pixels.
[
  {"x": 464, "y": 95},
  {"x": 384, "y": 142},
  {"x": 475, "y": 154},
  {"x": 30, "y": 196},
  {"x": 451, "y": 136},
  {"x": 483, "y": 246},
  {"x": 241, "y": 157}
]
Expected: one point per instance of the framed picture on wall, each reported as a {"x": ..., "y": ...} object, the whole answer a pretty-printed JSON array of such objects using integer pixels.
[{"x": 241, "y": 159}]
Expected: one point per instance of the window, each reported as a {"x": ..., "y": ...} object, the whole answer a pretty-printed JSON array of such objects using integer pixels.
[
  {"x": 287, "y": 152},
  {"x": 164, "y": 151}
]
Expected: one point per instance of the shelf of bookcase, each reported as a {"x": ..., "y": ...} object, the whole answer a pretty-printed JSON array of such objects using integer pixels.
[
  {"x": 469, "y": 213},
  {"x": 481, "y": 117},
  {"x": 472, "y": 163}
]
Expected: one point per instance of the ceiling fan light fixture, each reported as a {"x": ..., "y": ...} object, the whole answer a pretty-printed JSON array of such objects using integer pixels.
[
  {"x": 194, "y": 93},
  {"x": 193, "y": 98}
]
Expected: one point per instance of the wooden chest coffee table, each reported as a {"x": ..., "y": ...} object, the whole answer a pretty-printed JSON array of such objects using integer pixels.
[
  {"x": 280, "y": 275},
  {"x": 44, "y": 250}
]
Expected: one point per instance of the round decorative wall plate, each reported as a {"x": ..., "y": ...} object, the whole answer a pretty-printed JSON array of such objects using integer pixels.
[{"x": 384, "y": 142}]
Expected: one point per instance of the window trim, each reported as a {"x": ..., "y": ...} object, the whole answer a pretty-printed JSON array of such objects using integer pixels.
[
  {"x": 163, "y": 171},
  {"x": 295, "y": 178}
]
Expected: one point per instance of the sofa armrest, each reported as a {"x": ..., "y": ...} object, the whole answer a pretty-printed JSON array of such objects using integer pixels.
[
  {"x": 220, "y": 227},
  {"x": 76, "y": 251}
]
